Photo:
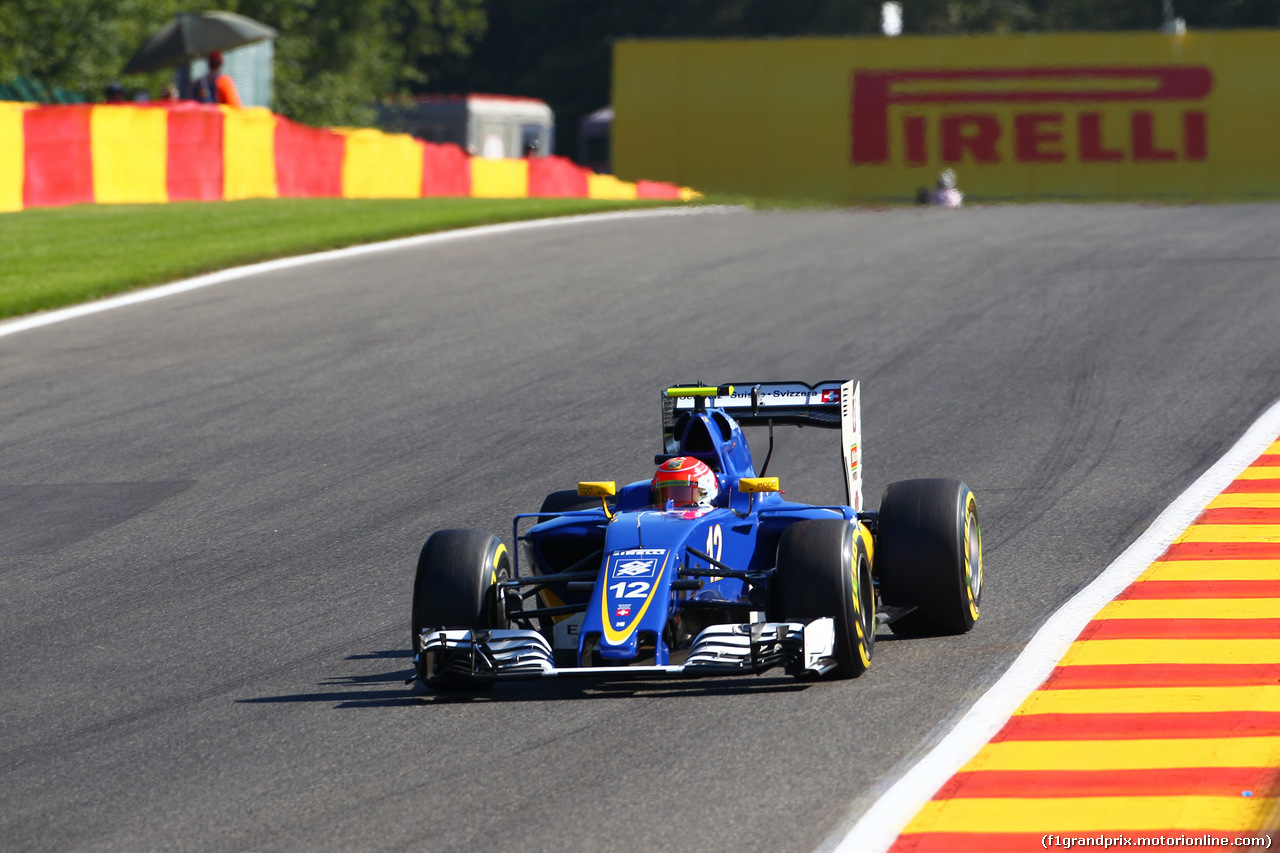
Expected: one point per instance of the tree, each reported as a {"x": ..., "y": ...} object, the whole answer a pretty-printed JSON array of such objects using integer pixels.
[
  {"x": 334, "y": 58},
  {"x": 77, "y": 44},
  {"x": 999, "y": 16}
]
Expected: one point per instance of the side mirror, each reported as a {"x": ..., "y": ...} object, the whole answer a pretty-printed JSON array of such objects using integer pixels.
[
  {"x": 751, "y": 485},
  {"x": 598, "y": 489},
  {"x": 602, "y": 489}
]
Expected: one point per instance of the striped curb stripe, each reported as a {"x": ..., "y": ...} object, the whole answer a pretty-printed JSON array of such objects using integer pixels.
[
  {"x": 1158, "y": 718},
  {"x": 1161, "y": 718}
]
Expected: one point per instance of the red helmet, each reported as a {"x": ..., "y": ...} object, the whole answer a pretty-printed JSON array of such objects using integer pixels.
[{"x": 684, "y": 481}]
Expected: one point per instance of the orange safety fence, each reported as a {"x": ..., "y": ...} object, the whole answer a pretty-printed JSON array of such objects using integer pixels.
[{"x": 146, "y": 153}]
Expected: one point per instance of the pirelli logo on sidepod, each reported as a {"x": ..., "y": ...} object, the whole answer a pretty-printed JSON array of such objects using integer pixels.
[{"x": 1059, "y": 115}]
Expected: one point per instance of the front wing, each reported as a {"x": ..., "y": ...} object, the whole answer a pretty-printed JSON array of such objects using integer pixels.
[{"x": 742, "y": 649}]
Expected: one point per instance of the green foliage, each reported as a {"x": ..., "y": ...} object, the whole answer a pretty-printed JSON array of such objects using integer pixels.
[
  {"x": 334, "y": 58},
  {"x": 77, "y": 44},
  {"x": 1002, "y": 16}
]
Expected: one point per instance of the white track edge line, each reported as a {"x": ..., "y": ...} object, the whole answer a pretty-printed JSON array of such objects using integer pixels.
[
  {"x": 35, "y": 321},
  {"x": 884, "y": 821}
]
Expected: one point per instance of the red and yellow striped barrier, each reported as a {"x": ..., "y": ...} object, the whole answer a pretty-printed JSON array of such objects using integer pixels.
[
  {"x": 1163, "y": 718},
  {"x": 14, "y": 143},
  {"x": 123, "y": 154}
]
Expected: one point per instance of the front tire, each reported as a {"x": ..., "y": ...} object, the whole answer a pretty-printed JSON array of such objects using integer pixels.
[
  {"x": 929, "y": 556},
  {"x": 823, "y": 571},
  {"x": 456, "y": 583}
]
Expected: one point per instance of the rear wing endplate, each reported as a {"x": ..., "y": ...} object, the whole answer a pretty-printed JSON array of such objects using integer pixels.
[{"x": 827, "y": 405}]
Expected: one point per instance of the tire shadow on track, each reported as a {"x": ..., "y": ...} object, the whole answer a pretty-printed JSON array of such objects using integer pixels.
[{"x": 389, "y": 690}]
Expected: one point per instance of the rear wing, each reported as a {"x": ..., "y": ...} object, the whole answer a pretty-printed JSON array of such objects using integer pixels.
[{"x": 827, "y": 405}]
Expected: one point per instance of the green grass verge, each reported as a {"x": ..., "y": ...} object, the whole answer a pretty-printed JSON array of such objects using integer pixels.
[{"x": 53, "y": 257}]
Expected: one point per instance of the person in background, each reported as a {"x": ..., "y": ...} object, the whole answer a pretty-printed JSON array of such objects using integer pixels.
[
  {"x": 946, "y": 195},
  {"x": 216, "y": 87},
  {"x": 114, "y": 93}
]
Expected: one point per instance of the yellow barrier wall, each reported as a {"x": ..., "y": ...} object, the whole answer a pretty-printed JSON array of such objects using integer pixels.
[
  {"x": 130, "y": 147},
  {"x": 381, "y": 165},
  {"x": 248, "y": 153},
  {"x": 12, "y": 154},
  {"x": 607, "y": 186},
  {"x": 1138, "y": 115},
  {"x": 499, "y": 178}
]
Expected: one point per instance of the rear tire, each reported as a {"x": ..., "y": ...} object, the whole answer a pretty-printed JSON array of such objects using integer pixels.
[
  {"x": 456, "y": 583},
  {"x": 929, "y": 556},
  {"x": 823, "y": 570}
]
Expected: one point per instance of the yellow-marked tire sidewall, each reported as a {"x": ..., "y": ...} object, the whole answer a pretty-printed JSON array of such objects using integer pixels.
[
  {"x": 817, "y": 576},
  {"x": 928, "y": 557},
  {"x": 500, "y": 571},
  {"x": 455, "y": 586},
  {"x": 863, "y": 597},
  {"x": 972, "y": 550}
]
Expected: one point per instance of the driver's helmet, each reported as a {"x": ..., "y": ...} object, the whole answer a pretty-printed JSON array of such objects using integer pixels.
[{"x": 685, "y": 481}]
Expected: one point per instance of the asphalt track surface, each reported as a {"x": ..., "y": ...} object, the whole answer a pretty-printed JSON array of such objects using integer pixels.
[{"x": 211, "y": 505}]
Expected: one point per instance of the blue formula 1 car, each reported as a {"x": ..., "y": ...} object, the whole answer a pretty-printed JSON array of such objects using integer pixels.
[{"x": 705, "y": 570}]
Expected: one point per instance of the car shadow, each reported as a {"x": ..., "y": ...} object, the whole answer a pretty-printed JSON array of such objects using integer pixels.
[{"x": 388, "y": 689}]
